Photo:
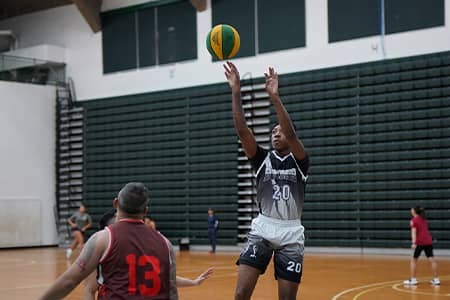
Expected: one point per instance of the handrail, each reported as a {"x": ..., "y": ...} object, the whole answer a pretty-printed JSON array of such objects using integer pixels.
[{"x": 11, "y": 66}]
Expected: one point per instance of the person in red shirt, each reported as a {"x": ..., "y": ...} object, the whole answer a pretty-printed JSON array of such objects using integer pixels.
[
  {"x": 421, "y": 241},
  {"x": 91, "y": 285},
  {"x": 134, "y": 261}
]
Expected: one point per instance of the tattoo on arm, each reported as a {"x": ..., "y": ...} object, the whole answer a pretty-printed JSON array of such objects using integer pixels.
[
  {"x": 87, "y": 253},
  {"x": 81, "y": 263}
]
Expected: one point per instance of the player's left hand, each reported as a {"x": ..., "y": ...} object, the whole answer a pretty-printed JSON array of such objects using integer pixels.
[
  {"x": 205, "y": 275},
  {"x": 271, "y": 82},
  {"x": 232, "y": 75}
]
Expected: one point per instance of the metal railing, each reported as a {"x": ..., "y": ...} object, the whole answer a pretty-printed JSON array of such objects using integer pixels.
[{"x": 31, "y": 70}]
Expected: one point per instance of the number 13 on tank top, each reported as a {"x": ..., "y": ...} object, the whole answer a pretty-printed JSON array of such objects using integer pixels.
[{"x": 150, "y": 275}]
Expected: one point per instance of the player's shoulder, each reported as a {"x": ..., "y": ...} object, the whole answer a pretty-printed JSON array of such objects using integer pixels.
[
  {"x": 100, "y": 238},
  {"x": 164, "y": 238},
  {"x": 101, "y": 234},
  {"x": 260, "y": 152}
]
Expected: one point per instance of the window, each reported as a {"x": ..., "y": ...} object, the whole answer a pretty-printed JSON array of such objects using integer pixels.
[
  {"x": 241, "y": 15},
  {"x": 119, "y": 42},
  {"x": 350, "y": 19},
  {"x": 148, "y": 35},
  {"x": 404, "y": 15},
  {"x": 281, "y": 25},
  {"x": 177, "y": 26}
]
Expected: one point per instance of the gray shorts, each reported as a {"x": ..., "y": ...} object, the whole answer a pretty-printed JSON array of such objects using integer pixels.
[{"x": 284, "y": 239}]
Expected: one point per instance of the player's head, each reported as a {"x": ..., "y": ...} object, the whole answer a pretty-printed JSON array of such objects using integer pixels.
[
  {"x": 82, "y": 208},
  {"x": 279, "y": 141},
  {"x": 108, "y": 218},
  {"x": 210, "y": 211},
  {"x": 133, "y": 199},
  {"x": 149, "y": 222},
  {"x": 418, "y": 211}
]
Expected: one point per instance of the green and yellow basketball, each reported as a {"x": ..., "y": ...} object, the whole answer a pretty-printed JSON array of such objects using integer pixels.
[{"x": 223, "y": 41}]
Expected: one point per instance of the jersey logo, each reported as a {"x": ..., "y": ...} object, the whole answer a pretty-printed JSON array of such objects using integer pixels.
[
  {"x": 252, "y": 248},
  {"x": 274, "y": 174}
]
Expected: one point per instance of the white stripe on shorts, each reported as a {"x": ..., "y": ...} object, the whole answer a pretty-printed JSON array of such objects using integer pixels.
[{"x": 278, "y": 232}]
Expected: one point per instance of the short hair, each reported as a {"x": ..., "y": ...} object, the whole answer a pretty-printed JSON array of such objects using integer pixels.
[
  {"x": 133, "y": 198},
  {"x": 275, "y": 125},
  {"x": 105, "y": 220}
]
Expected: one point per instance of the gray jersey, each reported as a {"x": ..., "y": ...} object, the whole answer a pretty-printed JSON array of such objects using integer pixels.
[
  {"x": 280, "y": 183},
  {"x": 81, "y": 219}
]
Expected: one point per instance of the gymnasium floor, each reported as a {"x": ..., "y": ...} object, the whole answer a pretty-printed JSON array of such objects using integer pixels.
[{"x": 26, "y": 273}]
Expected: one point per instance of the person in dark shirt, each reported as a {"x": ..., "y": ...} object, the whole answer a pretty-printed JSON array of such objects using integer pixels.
[
  {"x": 213, "y": 225},
  {"x": 281, "y": 176},
  {"x": 133, "y": 260}
]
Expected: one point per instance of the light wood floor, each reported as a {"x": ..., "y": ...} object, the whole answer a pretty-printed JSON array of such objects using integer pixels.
[{"x": 26, "y": 273}]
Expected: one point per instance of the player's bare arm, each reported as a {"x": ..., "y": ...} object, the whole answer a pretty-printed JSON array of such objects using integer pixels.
[
  {"x": 91, "y": 287},
  {"x": 80, "y": 269},
  {"x": 413, "y": 237},
  {"x": 245, "y": 134},
  {"x": 88, "y": 225},
  {"x": 72, "y": 224},
  {"x": 173, "y": 291},
  {"x": 185, "y": 282},
  {"x": 284, "y": 120}
]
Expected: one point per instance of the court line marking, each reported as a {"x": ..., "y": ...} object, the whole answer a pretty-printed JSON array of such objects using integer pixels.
[
  {"x": 380, "y": 284},
  {"x": 363, "y": 287},
  {"x": 369, "y": 290},
  {"x": 34, "y": 286},
  {"x": 396, "y": 287}
]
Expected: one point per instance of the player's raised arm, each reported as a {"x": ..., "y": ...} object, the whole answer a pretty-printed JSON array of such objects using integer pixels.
[
  {"x": 80, "y": 269},
  {"x": 245, "y": 134},
  {"x": 284, "y": 120}
]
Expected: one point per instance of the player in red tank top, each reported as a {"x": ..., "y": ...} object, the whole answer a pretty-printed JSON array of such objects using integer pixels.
[
  {"x": 421, "y": 240},
  {"x": 91, "y": 284},
  {"x": 134, "y": 261}
]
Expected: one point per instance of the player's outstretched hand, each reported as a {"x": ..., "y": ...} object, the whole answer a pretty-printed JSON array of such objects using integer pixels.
[
  {"x": 232, "y": 75},
  {"x": 271, "y": 82},
  {"x": 205, "y": 275}
]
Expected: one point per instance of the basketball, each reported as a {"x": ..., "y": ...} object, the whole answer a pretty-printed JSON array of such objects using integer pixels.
[{"x": 223, "y": 41}]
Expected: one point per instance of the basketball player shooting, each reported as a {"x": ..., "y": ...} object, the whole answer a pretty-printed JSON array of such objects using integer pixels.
[{"x": 280, "y": 181}]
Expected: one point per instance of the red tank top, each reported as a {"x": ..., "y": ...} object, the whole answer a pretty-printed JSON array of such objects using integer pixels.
[
  {"x": 423, "y": 236},
  {"x": 136, "y": 265}
]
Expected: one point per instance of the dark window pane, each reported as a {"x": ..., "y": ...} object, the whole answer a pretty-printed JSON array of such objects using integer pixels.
[
  {"x": 119, "y": 42},
  {"x": 241, "y": 15},
  {"x": 177, "y": 28},
  {"x": 404, "y": 15},
  {"x": 275, "y": 33},
  {"x": 146, "y": 25},
  {"x": 351, "y": 19}
]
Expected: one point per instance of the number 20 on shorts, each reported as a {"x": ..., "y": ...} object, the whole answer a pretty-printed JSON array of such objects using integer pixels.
[{"x": 294, "y": 267}]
